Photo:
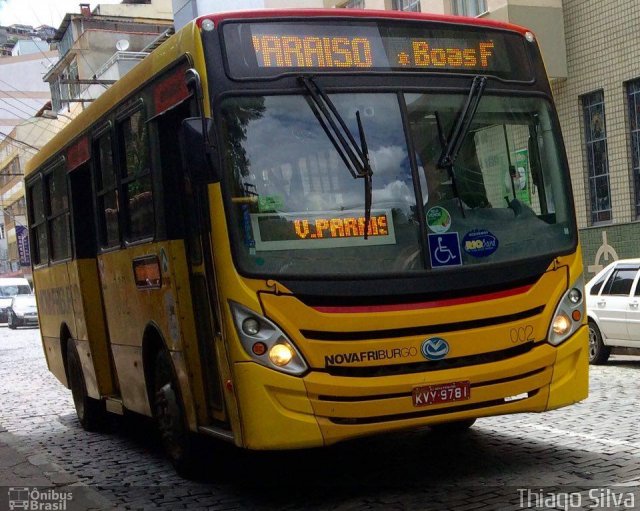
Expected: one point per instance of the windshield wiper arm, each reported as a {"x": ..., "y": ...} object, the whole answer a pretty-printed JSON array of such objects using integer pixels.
[
  {"x": 463, "y": 123},
  {"x": 355, "y": 156},
  {"x": 451, "y": 148}
]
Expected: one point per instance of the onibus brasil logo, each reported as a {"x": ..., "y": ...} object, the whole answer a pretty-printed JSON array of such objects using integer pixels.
[{"x": 38, "y": 499}]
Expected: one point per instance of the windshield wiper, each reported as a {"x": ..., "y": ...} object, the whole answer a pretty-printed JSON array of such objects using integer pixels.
[
  {"x": 451, "y": 148},
  {"x": 355, "y": 156}
]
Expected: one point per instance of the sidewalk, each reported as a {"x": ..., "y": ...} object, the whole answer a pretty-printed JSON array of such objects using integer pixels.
[{"x": 25, "y": 478}]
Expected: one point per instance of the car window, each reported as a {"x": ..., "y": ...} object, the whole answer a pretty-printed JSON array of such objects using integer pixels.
[
  {"x": 620, "y": 281},
  {"x": 597, "y": 285}
]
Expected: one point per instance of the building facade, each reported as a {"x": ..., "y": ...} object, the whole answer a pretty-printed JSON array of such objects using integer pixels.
[
  {"x": 98, "y": 47},
  {"x": 599, "y": 108},
  {"x": 16, "y": 149},
  {"x": 22, "y": 91}
]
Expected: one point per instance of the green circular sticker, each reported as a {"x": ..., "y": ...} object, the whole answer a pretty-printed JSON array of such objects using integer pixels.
[{"x": 438, "y": 219}]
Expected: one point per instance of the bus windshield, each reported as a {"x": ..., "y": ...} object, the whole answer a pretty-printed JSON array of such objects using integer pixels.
[{"x": 296, "y": 210}]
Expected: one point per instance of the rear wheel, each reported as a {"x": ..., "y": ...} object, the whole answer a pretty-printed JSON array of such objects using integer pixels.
[
  {"x": 91, "y": 412},
  {"x": 598, "y": 351},
  {"x": 453, "y": 427},
  {"x": 177, "y": 441}
]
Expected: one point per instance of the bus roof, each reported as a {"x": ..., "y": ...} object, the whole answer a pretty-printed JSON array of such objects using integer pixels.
[
  {"x": 360, "y": 13},
  {"x": 184, "y": 41}
]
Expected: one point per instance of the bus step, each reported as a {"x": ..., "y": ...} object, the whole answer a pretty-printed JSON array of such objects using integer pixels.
[
  {"x": 114, "y": 405},
  {"x": 223, "y": 434}
]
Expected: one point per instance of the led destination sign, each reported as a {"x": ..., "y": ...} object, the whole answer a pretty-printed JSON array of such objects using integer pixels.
[
  {"x": 355, "y": 52},
  {"x": 287, "y": 231},
  {"x": 268, "y": 49}
]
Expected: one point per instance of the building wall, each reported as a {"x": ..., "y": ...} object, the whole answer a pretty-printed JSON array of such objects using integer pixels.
[
  {"x": 160, "y": 9},
  {"x": 602, "y": 54},
  {"x": 22, "y": 91}
]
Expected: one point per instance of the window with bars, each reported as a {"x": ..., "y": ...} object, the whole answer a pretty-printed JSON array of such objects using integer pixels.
[
  {"x": 407, "y": 5},
  {"x": 136, "y": 177},
  {"x": 107, "y": 191},
  {"x": 58, "y": 213},
  {"x": 353, "y": 4},
  {"x": 595, "y": 138},
  {"x": 468, "y": 7},
  {"x": 37, "y": 224},
  {"x": 633, "y": 100}
]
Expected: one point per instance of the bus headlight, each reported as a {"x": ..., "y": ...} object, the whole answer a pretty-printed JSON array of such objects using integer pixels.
[
  {"x": 265, "y": 343},
  {"x": 569, "y": 313},
  {"x": 281, "y": 354}
]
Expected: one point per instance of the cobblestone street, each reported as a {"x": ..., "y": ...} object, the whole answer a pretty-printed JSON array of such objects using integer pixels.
[{"x": 588, "y": 448}]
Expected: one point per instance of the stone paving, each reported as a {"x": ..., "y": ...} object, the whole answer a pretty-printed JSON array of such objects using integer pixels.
[{"x": 583, "y": 457}]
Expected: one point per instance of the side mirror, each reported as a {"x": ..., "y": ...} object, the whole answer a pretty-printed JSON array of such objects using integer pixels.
[{"x": 197, "y": 154}]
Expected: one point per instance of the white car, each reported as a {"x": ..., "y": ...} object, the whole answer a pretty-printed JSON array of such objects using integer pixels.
[{"x": 613, "y": 309}]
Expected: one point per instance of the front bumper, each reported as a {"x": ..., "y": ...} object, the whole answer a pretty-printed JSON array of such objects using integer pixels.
[{"x": 279, "y": 411}]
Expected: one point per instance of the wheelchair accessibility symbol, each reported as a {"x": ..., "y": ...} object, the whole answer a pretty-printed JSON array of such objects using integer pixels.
[{"x": 444, "y": 249}]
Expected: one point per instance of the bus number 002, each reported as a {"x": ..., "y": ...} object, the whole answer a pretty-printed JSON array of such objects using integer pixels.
[{"x": 521, "y": 334}]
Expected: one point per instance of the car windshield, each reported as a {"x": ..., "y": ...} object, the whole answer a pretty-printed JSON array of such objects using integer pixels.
[
  {"x": 9, "y": 291},
  {"x": 297, "y": 210}
]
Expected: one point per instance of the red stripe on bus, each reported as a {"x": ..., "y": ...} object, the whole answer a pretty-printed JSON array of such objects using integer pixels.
[
  {"x": 423, "y": 305},
  {"x": 271, "y": 14}
]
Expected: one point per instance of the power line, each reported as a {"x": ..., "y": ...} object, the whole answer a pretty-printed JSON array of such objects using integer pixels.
[{"x": 32, "y": 147}]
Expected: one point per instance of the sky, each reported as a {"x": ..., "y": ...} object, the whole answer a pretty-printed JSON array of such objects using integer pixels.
[{"x": 42, "y": 12}]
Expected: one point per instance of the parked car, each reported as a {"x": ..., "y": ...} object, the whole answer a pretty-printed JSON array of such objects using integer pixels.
[
  {"x": 613, "y": 309},
  {"x": 8, "y": 289},
  {"x": 23, "y": 311}
]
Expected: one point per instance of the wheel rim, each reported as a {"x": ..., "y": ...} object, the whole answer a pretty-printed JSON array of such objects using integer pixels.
[{"x": 593, "y": 343}]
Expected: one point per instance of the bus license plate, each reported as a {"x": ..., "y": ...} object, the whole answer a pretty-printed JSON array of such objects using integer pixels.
[{"x": 444, "y": 393}]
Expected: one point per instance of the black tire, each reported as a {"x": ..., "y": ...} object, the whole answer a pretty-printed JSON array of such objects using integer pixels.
[
  {"x": 598, "y": 351},
  {"x": 11, "y": 322},
  {"x": 178, "y": 443},
  {"x": 91, "y": 412},
  {"x": 453, "y": 427}
]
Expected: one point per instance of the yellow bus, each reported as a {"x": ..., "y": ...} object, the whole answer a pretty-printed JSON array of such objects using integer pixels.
[{"x": 286, "y": 229}]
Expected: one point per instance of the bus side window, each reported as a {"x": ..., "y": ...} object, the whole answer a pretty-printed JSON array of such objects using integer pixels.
[
  {"x": 37, "y": 223},
  {"x": 58, "y": 213},
  {"x": 84, "y": 233},
  {"x": 106, "y": 191},
  {"x": 139, "y": 216}
]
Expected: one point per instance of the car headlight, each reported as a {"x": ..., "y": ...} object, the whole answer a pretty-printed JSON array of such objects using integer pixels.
[
  {"x": 265, "y": 343},
  {"x": 569, "y": 313}
]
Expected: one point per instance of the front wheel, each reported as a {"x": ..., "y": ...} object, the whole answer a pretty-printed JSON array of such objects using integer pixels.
[
  {"x": 598, "y": 351},
  {"x": 11, "y": 323},
  {"x": 177, "y": 441},
  {"x": 91, "y": 412}
]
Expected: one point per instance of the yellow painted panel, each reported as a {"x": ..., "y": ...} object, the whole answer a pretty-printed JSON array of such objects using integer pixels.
[
  {"x": 168, "y": 309},
  {"x": 324, "y": 384},
  {"x": 292, "y": 315},
  {"x": 90, "y": 322},
  {"x": 55, "y": 358},
  {"x": 570, "y": 382},
  {"x": 266, "y": 423},
  {"x": 128, "y": 360},
  {"x": 54, "y": 294},
  {"x": 338, "y": 432},
  {"x": 404, "y": 404}
]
